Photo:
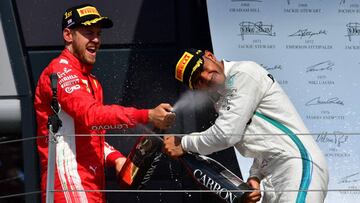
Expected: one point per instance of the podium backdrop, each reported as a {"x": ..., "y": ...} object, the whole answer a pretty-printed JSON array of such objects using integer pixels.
[{"x": 312, "y": 48}]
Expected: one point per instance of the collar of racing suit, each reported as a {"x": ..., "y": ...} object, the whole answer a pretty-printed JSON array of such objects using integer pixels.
[
  {"x": 227, "y": 66},
  {"x": 84, "y": 68}
]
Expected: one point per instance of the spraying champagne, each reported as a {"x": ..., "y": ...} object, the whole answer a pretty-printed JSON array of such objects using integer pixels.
[{"x": 208, "y": 173}]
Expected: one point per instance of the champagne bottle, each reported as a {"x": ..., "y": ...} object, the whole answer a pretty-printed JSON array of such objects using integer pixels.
[
  {"x": 205, "y": 171},
  {"x": 141, "y": 163},
  {"x": 213, "y": 176}
]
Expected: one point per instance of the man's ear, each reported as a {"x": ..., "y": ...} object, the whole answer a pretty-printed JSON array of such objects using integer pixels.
[
  {"x": 67, "y": 35},
  {"x": 210, "y": 55}
]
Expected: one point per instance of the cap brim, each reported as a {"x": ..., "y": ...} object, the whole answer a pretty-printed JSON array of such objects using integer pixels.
[{"x": 104, "y": 22}]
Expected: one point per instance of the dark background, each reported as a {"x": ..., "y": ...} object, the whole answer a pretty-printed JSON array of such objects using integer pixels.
[{"x": 135, "y": 66}]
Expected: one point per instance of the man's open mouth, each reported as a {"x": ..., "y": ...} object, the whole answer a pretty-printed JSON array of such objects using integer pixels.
[{"x": 91, "y": 50}]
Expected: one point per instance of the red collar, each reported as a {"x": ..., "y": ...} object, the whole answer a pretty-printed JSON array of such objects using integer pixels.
[{"x": 84, "y": 68}]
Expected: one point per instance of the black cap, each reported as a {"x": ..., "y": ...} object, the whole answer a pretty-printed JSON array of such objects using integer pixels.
[
  {"x": 188, "y": 62},
  {"x": 86, "y": 15}
]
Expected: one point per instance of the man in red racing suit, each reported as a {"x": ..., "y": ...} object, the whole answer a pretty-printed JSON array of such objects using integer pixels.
[{"x": 80, "y": 159}]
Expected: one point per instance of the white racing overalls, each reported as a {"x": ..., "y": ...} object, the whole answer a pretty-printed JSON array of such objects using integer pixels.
[{"x": 259, "y": 120}]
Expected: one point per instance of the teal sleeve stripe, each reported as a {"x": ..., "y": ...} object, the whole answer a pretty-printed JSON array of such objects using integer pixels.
[{"x": 306, "y": 159}]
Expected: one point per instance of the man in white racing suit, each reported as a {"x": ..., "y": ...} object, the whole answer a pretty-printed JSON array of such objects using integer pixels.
[{"x": 259, "y": 120}]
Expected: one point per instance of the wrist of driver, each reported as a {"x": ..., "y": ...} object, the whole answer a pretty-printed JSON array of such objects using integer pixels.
[{"x": 150, "y": 116}]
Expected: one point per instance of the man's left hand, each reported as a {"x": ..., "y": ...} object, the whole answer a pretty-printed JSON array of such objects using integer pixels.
[
  {"x": 172, "y": 146},
  {"x": 254, "y": 196}
]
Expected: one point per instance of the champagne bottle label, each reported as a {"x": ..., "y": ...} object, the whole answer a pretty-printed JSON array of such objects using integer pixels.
[
  {"x": 130, "y": 171},
  {"x": 152, "y": 168},
  {"x": 215, "y": 177}
]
